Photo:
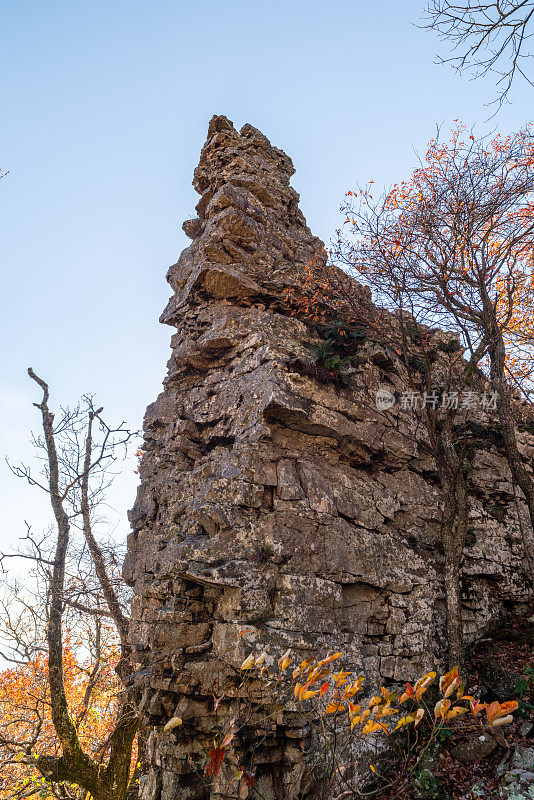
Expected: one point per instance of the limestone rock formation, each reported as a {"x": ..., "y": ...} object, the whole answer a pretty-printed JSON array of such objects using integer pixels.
[{"x": 273, "y": 502}]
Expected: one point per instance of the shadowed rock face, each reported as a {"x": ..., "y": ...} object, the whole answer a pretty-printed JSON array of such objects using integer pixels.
[{"x": 272, "y": 502}]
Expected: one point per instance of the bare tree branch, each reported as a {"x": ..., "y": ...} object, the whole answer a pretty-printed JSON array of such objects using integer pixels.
[{"x": 492, "y": 36}]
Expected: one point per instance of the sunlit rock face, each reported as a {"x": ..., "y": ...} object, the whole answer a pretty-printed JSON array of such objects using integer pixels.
[{"x": 276, "y": 503}]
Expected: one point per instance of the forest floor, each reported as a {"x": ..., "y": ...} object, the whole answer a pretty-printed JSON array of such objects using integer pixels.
[{"x": 468, "y": 762}]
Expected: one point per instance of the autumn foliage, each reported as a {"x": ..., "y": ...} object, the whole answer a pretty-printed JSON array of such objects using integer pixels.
[
  {"x": 343, "y": 718},
  {"x": 26, "y": 728},
  {"x": 454, "y": 244}
]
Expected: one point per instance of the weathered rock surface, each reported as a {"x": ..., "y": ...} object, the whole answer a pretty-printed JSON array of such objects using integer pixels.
[
  {"x": 272, "y": 502},
  {"x": 517, "y": 771}
]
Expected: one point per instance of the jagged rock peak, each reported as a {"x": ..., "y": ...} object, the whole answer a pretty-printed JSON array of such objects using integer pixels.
[
  {"x": 250, "y": 239},
  {"x": 229, "y": 156}
]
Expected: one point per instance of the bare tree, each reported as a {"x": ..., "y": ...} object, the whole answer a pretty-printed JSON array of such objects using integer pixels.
[
  {"x": 486, "y": 37},
  {"x": 78, "y": 450}
]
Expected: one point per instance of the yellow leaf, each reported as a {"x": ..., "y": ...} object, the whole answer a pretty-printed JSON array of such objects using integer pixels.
[
  {"x": 328, "y": 659},
  {"x": 449, "y": 682},
  {"x": 441, "y": 708},
  {"x": 354, "y": 715},
  {"x": 404, "y": 721},
  {"x": 387, "y": 694},
  {"x": 383, "y": 711},
  {"x": 172, "y": 723},
  {"x": 302, "y": 666},
  {"x": 284, "y": 661},
  {"x": 248, "y": 663},
  {"x": 456, "y": 711},
  {"x": 307, "y": 695},
  {"x": 341, "y": 676},
  {"x": 333, "y": 708},
  {"x": 502, "y": 721},
  {"x": 423, "y": 684},
  {"x": 354, "y": 688},
  {"x": 371, "y": 727},
  {"x": 237, "y": 776}
]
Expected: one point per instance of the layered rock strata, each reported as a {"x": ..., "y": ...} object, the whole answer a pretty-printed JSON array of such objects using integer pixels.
[{"x": 272, "y": 502}]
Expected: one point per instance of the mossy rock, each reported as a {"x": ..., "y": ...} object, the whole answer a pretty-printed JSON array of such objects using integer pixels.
[
  {"x": 474, "y": 749},
  {"x": 500, "y": 684},
  {"x": 427, "y": 785}
]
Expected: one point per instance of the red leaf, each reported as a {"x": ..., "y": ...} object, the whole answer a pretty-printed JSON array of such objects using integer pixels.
[{"x": 216, "y": 758}]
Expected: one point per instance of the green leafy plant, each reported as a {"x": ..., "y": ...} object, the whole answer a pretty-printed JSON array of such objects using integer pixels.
[{"x": 326, "y": 357}]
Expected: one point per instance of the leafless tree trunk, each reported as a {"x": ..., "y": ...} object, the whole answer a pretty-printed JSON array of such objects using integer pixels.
[
  {"x": 453, "y": 536},
  {"x": 112, "y": 601},
  {"x": 74, "y": 766}
]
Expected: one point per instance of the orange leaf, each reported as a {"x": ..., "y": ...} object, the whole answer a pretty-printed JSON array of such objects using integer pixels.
[
  {"x": 496, "y": 710},
  {"x": 407, "y": 694},
  {"x": 216, "y": 757},
  {"x": 449, "y": 682}
]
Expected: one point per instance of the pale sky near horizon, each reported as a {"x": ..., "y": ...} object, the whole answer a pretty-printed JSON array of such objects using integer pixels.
[{"x": 105, "y": 107}]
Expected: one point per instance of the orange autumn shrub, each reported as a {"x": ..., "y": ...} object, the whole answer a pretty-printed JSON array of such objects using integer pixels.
[{"x": 326, "y": 696}]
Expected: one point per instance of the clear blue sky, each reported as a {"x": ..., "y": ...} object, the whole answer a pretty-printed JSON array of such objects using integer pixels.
[{"x": 104, "y": 109}]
